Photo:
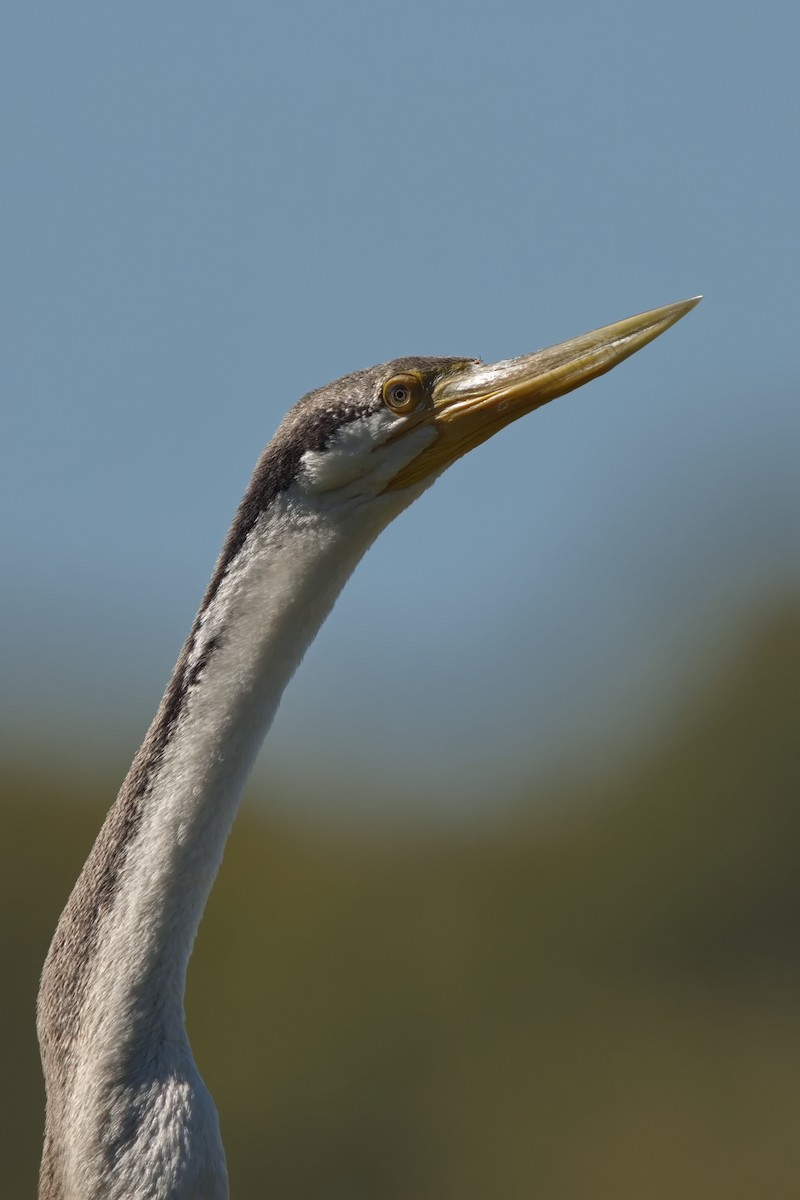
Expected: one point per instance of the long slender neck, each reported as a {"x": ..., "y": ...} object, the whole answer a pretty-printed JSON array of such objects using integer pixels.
[
  {"x": 121, "y": 1082},
  {"x": 245, "y": 648}
]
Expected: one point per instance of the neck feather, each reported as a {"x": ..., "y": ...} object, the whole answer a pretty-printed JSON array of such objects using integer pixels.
[{"x": 111, "y": 1003}]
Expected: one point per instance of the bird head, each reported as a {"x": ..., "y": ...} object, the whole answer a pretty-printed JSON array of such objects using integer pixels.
[
  {"x": 391, "y": 430},
  {"x": 365, "y": 446}
]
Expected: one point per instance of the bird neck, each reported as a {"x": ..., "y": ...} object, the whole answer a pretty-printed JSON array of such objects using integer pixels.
[
  {"x": 111, "y": 1004},
  {"x": 245, "y": 648},
  {"x": 246, "y": 643}
]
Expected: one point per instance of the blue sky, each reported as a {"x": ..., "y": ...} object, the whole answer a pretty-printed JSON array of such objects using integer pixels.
[{"x": 208, "y": 210}]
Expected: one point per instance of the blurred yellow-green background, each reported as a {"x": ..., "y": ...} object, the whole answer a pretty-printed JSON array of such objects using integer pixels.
[
  {"x": 512, "y": 907},
  {"x": 599, "y": 1001}
]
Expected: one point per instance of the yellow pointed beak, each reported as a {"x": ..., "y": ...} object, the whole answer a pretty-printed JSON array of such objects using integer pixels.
[{"x": 475, "y": 400}]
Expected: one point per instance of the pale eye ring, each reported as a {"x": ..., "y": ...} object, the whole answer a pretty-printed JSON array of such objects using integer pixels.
[{"x": 401, "y": 394}]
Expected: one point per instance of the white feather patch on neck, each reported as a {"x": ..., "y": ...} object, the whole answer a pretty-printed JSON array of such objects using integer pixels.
[{"x": 357, "y": 460}]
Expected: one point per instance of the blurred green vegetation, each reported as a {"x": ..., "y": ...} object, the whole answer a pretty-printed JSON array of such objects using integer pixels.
[{"x": 597, "y": 997}]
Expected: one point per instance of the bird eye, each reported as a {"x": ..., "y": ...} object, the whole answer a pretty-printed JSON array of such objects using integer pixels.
[{"x": 402, "y": 393}]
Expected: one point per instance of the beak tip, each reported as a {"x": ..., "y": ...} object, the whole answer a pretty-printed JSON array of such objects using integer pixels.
[
  {"x": 686, "y": 306},
  {"x": 671, "y": 313}
]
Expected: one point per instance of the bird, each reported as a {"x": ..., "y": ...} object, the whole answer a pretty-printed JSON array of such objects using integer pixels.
[{"x": 128, "y": 1116}]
